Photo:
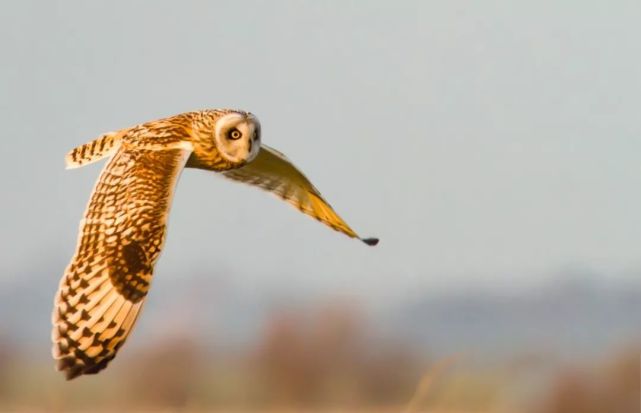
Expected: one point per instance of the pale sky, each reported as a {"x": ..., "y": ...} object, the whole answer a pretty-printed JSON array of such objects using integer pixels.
[{"x": 485, "y": 143}]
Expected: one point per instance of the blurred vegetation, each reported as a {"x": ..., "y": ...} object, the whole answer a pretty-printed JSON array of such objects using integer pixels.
[
  {"x": 318, "y": 359},
  {"x": 614, "y": 386}
]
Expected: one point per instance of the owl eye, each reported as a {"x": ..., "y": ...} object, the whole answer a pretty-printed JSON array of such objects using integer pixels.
[{"x": 235, "y": 134}]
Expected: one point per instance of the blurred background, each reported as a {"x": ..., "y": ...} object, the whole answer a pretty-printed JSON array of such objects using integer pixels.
[{"x": 492, "y": 146}]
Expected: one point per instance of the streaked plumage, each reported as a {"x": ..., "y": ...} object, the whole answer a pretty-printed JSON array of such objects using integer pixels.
[{"x": 123, "y": 230}]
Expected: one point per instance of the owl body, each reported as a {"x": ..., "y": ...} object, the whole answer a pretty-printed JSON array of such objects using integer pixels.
[{"x": 124, "y": 227}]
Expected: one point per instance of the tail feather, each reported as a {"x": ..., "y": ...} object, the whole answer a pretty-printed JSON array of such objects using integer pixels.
[{"x": 93, "y": 151}]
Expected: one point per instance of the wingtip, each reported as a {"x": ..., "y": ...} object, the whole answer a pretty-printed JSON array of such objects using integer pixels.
[
  {"x": 370, "y": 241},
  {"x": 69, "y": 368}
]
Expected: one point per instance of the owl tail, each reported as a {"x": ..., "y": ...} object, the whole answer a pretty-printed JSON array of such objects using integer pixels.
[{"x": 94, "y": 151}]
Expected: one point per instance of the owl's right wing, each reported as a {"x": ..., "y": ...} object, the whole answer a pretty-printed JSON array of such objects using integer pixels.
[
  {"x": 121, "y": 235},
  {"x": 273, "y": 172}
]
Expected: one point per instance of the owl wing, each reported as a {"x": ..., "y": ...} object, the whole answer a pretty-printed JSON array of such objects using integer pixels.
[
  {"x": 272, "y": 171},
  {"x": 120, "y": 239}
]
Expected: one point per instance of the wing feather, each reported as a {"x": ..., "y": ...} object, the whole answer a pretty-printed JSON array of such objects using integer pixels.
[
  {"x": 120, "y": 238},
  {"x": 273, "y": 172}
]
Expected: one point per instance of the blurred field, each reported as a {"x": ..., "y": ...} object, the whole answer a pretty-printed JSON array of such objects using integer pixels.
[{"x": 322, "y": 359}]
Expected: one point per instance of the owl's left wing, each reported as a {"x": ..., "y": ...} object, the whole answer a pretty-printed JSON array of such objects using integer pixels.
[
  {"x": 121, "y": 235},
  {"x": 272, "y": 171}
]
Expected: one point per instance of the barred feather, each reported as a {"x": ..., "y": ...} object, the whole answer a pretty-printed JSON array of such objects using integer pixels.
[{"x": 93, "y": 151}]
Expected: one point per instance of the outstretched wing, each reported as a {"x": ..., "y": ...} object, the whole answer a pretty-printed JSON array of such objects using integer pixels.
[
  {"x": 121, "y": 235},
  {"x": 272, "y": 171}
]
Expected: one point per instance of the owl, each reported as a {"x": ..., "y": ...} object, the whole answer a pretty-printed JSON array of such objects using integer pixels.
[{"x": 123, "y": 230}]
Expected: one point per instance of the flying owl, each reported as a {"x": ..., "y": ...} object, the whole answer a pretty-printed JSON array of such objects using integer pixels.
[{"x": 123, "y": 229}]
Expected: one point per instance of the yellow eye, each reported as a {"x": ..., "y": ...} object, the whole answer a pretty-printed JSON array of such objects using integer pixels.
[{"x": 235, "y": 134}]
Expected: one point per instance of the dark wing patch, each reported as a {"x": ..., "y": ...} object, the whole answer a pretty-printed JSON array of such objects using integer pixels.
[{"x": 134, "y": 272}]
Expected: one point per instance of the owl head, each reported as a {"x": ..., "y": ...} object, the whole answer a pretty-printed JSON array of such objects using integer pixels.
[{"x": 237, "y": 136}]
